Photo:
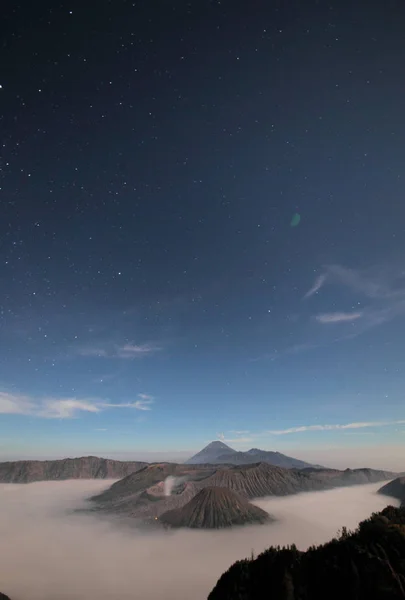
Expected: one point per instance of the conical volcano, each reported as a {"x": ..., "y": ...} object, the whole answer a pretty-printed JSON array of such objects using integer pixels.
[{"x": 215, "y": 508}]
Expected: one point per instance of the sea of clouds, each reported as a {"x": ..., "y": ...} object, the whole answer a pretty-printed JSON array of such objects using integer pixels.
[{"x": 47, "y": 552}]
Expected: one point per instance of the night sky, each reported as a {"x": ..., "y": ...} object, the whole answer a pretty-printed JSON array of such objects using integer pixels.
[{"x": 202, "y": 225}]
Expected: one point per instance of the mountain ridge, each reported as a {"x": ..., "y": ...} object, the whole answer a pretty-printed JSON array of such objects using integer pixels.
[
  {"x": 84, "y": 467},
  {"x": 219, "y": 453},
  {"x": 143, "y": 495}
]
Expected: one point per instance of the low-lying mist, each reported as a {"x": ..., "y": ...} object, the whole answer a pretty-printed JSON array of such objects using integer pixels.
[{"x": 47, "y": 553}]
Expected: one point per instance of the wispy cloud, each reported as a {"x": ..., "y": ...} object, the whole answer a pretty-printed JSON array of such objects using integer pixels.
[
  {"x": 359, "y": 433},
  {"x": 379, "y": 291},
  {"x": 14, "y": 404},
  {"x": 318, "y": 283},
  {"x": 144, "y": 402},
  {"x": 125, "y": 351},
  {"x": 100, "y": 429},
  {"x": 374, "y": 283},
  {"x": 233, "y": 440},
  {"x": 338, "y": 317},
  {"x": 334, "y": 427},
  {"x": 63, "y": 408},
  {"x": 136, "y": 350},
  {"x": 89, "y": 351}
]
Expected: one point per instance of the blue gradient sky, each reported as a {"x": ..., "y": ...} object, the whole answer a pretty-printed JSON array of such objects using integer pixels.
[{"x": 154, "y": 291}]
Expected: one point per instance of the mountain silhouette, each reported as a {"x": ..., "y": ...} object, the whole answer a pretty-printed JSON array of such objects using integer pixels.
[{"x": 219, "y": 453}]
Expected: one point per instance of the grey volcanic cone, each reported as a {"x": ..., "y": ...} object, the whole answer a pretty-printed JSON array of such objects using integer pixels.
[
  {"x": 395, "y": 489},
  {"x": 215, "y": 508},
  {"x": 210, "y": 454}
]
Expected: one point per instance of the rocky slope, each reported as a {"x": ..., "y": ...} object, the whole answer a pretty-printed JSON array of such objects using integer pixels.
[
  {"x": 395, "y": 489},
  {"x": 215, "y": 508},
  {"x": 253, "y": 481},
  {"x": 86, "y": 467},
  {"x": 365, "y": 565}
]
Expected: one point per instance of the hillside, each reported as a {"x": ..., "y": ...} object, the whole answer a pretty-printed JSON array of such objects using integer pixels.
[
  {"x": 219, "y": 453},
  {"x": 215, "y": 508},
  {"x": 365, "y": 565},
  {"x": 336, "y": 478},
  {"x": 395, "y": 489},
  {"x": 86, "y": 467}
]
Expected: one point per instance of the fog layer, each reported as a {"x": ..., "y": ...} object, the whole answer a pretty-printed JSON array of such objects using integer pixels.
[{"x": 46, "y": 553}]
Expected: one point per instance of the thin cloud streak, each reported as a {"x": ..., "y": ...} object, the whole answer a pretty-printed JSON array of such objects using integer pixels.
[
  {"x": 63, "y": 408},
  {"x": 241, "y": 440},
  {"x": 335, "y": 427},
  {"x": 136, "y": 350},
  {"x": 126, "y": 351},
  {"x": 143, "y": 403},
  {"x": 237, "y": 440},
  {"x": 338, "y": 317},
  {"x": 319, "y": 281}
]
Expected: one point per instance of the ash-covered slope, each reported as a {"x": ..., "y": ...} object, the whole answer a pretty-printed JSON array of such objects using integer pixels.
[
  {"x": 253, "y": 481},
  {"x": 151, "y": 491},
  {"x": 395, "y": 489},
  {"x": 215, "y": 508},
  {"x": 86, "y": 467},
  {"x": 149, "y": 476},
  {"x": 365, "y": 565},
  {"x": 211, "y": 454}
]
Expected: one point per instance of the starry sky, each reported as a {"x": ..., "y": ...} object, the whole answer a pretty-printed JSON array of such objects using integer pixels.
[{"x": 202, "y": 226}]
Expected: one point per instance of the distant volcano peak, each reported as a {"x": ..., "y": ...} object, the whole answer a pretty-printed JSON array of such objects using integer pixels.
[
  {"x": 211, "y": 453},
  {"x": 220, "y": 445}
]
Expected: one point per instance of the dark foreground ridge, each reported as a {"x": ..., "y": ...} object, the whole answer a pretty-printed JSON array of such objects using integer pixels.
[
  {"x": 86, "y": 467},
  {"x": 368, "y": 564},
  {"x": 215, "y": 508}
]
